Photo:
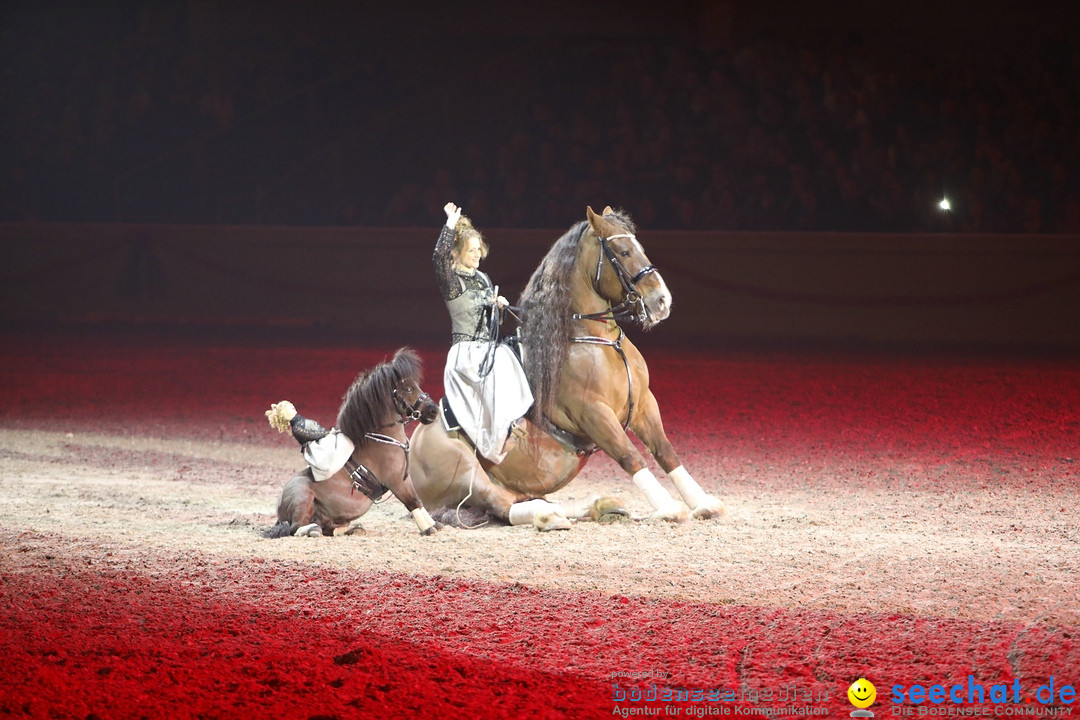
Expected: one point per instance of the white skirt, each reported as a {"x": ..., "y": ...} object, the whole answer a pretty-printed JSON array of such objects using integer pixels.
[{"x": 486, "y": 405}]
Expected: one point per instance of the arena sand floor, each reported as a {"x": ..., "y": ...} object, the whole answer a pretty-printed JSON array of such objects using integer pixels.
[{"x": 907, "y": 518}]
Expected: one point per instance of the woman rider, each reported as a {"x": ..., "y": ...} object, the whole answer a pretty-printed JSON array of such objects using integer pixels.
[{"x": 484, "y": 382}]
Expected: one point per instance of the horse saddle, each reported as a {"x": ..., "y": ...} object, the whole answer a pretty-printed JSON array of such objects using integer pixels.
[{"x": 453, "y": 427}]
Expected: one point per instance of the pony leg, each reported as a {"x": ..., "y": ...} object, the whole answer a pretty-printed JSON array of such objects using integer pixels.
[
  {"x": 650, "y": 428},
  {"x": 601, "y": 425},
  {"x": 405, "y": 491},
  {"x": 297, "y": 505},
  {"x": 424, "y": 523}
]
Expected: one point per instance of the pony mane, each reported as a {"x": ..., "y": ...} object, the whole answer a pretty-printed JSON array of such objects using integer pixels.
[
  {"x": 368, "y": 404},
  {"x": 547, "y": 314}
]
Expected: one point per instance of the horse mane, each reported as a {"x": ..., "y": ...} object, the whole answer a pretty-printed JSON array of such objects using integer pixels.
[
  {"x": 547, "y": 314},
  {"x": 368, "y": 404}
]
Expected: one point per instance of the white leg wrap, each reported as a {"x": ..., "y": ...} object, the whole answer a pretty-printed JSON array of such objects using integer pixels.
[
  {"x": 691, "y": 492},
  {"x": 422, "y": 518},
  {"x": 522, "y": 513},
  {"x": 655, "y": 493}
]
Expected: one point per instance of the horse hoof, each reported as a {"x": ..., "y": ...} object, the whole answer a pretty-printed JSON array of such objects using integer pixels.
[
  {"x": 312, "y": 530},
  {"x": 550, "y": 521},
  {"x": 355, "y": 530},
  {"x": 432, "y": 530},
  {"x": 671, "y": 512},
  {"x": 711, "y": 509},
  {"x": 608, "y": 510}
]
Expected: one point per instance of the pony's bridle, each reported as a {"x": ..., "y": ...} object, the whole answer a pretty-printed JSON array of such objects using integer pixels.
[
  {"x": 632, "y": 304},
  {"x": 364, "y": 478},
  {"x": 409, "y": 412}
]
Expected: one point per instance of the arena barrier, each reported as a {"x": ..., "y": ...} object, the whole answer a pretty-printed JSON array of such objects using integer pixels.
[{"x": 1021, "y": 292}]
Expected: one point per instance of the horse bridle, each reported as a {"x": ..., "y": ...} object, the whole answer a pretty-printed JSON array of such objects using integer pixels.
[
  {"x": 632, "y": 304},
  {"x": 409, "y": 412},
  {"x": 364, "y": 478}
]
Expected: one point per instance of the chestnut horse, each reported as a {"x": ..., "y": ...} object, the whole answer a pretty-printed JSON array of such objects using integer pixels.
[
  {"x": 373, "y": 415},
  {"x": 590, "y": 384}
]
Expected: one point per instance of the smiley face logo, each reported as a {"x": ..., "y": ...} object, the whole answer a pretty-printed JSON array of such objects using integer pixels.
[{"x": 862, "y": 693}]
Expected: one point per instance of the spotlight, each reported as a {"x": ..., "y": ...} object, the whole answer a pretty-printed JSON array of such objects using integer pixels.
[{"x": 944, "y": 204}]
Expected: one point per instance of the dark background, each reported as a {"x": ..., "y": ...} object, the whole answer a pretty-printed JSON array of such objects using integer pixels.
[
  {"x": 696, "y": 115},
  {"x": 284, "y": 165}
]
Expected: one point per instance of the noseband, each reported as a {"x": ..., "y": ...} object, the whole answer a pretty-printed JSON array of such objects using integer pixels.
[
  {"x": 632, "y": 304},
  {"x": 409, "y": 412}
]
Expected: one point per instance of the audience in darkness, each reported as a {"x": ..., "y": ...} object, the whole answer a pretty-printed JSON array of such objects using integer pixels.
[{"x": 762, "y": 133}]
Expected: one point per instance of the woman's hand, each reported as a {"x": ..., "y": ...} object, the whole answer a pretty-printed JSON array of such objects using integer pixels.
[
  {"x": 453, "y": 214},
  {"x": 501, "y": 302}
]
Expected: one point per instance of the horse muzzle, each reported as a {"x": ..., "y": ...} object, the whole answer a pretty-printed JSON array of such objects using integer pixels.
[
  {"x": 429, "y": 410},
  {"x": 656, "y": 301}
]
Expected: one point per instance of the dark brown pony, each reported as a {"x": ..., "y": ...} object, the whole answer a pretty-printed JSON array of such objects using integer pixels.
[
  {"x": 591, "y": 386},
  {"x": 373, "y": 415}
]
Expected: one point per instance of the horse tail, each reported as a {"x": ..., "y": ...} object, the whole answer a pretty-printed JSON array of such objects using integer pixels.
[
  {"x": 282, "y": 529},
  {"x": 466, "y": 518}
]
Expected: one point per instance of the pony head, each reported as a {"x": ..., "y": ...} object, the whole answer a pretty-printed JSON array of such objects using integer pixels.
[{"x": 388, "y": 393}]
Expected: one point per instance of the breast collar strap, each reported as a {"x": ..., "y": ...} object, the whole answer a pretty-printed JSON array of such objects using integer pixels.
[
  {"x": 617, "y": 344},
  {"x": 364, "y": 478}
]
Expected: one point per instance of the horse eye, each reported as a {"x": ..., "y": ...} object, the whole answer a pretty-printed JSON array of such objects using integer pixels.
[{"x": 625, "y": 253}]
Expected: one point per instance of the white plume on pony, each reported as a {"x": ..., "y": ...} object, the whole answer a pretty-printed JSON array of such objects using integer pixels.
[{"x": 280, "y": 414}]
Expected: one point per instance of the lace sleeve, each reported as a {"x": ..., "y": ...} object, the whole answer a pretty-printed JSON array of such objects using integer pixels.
[
  {"x": 306, "y": 430},
  {"x": 444, "y": 265}
]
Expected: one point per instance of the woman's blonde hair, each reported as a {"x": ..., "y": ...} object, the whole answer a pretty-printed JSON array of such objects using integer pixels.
[{"x": 462, "y": 232}]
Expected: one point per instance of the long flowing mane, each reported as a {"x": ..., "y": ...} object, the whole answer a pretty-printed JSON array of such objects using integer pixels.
[
  {"x": 368, "y": 404},
  {"x": 547, "y": 315}
]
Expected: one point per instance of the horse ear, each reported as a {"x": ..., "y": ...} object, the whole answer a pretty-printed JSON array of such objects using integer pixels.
[
  {"x": 595, "y": 222},
  {"x": 608, "y": 211}
]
